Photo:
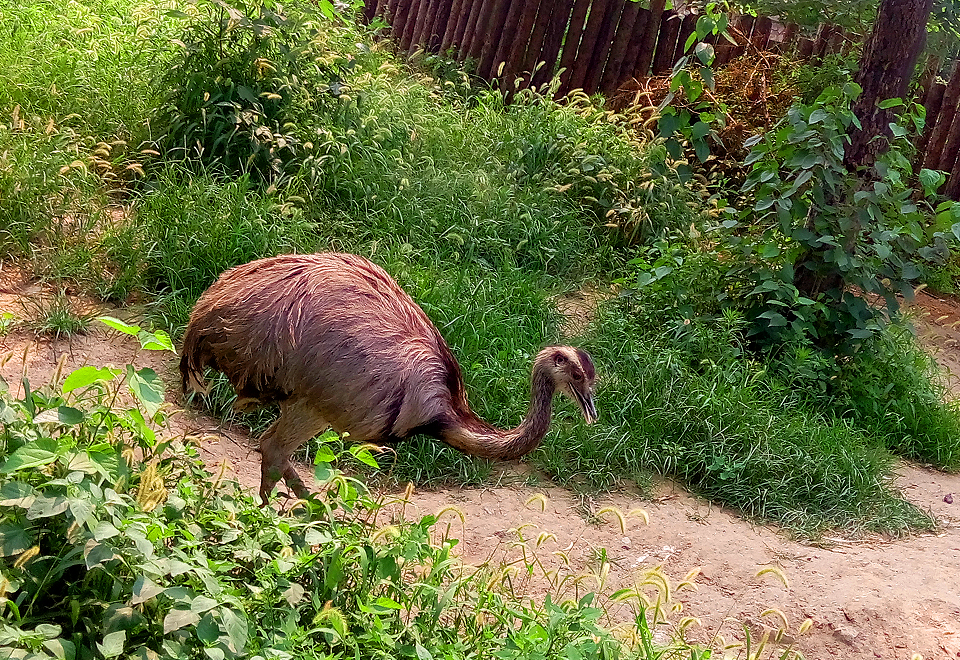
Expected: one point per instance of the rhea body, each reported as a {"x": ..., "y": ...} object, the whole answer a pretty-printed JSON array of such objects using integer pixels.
[{"x": 336, "y": 342}]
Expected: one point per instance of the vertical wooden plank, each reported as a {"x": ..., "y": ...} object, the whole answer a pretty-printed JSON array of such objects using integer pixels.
[
  {"x": 761, "y": 33},
  {"x": 835, "y": 41},
  {"x": 494, "y": 32},
  {"x": 518, "y": 48},
  {"x": 688, "y": 25},
  {"x": 537, "y": 36},
  {"x": 938, "y": 137},
  {"x": 591, "y": 50},
  {"x": 952, "y": 187},
  {"x": 790, "y": 32},
  {"x": 508, "y": 36},
  {"x": 820, "y": 42},
  {"x": 951, "y": 146},
  {"x": 410, "y": 26},
  {"x": 456, "y": 11},
  {"x": 596, "y": 58},
  {"x": 650, "y": 38},
  {"x": 466, "y": 9},
  {"x": 805, "y": 48},
  {"x": 932, "y": 103},
  {"x": 931, "y": 66},
  {"x": 552, "y": 43},
  {"x": 743, "y": 28},
  {"x": 470, "y": 33},
  {"x": 631, "y": 61},
  {"x": 369, "y": 10},
  {"x": 400, "y": 20},
  {"x": 724, "y": 53},
  {"x": 618, "y": 51},
  {"x": 666, "y": 43},
  {"x": 428, "y": 11},
  {"x": 387, "y": 10},
  {"x": 572, "y": 44},
  {"x": 438, "y": 26}
]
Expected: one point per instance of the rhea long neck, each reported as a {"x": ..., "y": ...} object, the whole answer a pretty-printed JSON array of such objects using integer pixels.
[{"x": 472, "y": 435}]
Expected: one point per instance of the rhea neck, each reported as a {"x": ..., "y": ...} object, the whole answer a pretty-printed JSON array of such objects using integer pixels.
[{"x": 472, "y": 435}]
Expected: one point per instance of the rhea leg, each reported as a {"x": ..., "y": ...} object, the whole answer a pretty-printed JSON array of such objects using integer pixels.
[{"x": 298, "y": 423}]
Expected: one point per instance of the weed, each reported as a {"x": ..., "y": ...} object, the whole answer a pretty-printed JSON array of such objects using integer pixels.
[
  {"x": 173, "y": 564},
  {"x": 248, "y": 76},
  {"x": 56, "y": 316}
]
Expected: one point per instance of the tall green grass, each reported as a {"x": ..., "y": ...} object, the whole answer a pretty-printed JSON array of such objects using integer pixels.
[
  {"x": 88, "y": 65},
  {"x": 721, "y": 424},
  {"x": 483, "y": 212}
]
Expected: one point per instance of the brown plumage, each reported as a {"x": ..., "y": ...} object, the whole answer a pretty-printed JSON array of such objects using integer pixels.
[{"x": 336, "y": 342}]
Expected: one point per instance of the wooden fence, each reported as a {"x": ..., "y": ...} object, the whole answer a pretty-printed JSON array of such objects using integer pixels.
[
  {"x": 939, "y": 146},
  {"x": 597, "y": 44}
]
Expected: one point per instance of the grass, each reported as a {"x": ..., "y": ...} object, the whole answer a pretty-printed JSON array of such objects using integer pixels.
[
  {"x": 483, "y": 213},
  {"x": 177, "y": 563},
  {"x": 56, "y": 316}
]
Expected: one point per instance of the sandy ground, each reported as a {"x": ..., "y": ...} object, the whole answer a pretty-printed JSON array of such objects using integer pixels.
[{"x": 867, "y": 598}]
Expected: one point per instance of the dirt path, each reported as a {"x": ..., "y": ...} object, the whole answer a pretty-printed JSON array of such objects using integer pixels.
[{"x": 868, "y": 598}]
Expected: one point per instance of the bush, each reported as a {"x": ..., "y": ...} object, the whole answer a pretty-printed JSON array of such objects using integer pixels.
[
  {"x": 250, "y": 80},
  {"x": 190, "y": 228},
  {"x": 114, "y": 542}
]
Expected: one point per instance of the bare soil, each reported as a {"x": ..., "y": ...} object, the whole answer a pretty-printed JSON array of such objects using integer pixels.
[{"x": 867, "y": 597}]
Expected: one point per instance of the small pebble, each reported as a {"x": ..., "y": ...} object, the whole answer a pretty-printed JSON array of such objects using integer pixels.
[{"x": 948, "y": 498}]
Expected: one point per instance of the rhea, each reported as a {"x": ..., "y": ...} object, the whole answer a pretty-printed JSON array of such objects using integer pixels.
[{"x": 336, "y": 342}]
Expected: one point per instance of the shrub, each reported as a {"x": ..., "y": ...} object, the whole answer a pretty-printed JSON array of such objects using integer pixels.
[{"x": 248, "y": 78}]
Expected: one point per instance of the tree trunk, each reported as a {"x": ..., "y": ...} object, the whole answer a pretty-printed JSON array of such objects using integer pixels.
[{"x": 886, "y": 66}]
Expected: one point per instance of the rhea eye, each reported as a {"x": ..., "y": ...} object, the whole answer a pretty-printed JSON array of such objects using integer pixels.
[
  {"x": 578, "y": 376},
  {"x": 560, "y": 359}
]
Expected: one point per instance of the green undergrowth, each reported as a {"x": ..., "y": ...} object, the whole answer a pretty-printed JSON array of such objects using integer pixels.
[
  {"x": 116, "y": 542},
  {"x": 132, "y": 170}
]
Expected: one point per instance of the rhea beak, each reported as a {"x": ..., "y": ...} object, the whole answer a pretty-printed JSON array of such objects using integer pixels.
[{"x": 585, "y": 401}]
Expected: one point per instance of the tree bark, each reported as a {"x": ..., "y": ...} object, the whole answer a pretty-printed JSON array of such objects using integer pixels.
[{"x": 886, "y": 66}]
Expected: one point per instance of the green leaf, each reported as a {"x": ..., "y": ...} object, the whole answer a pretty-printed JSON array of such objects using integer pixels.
[
  {"x": 424, "y": 654},
  {"x": 388, "y": 603},
  {"x": 704, "y": 53},
  {"x": 14, "y": 539},
  {"x": 112, "y": 644},
  {"x": 122, "y": 326},
  {"x": 236, "y": 627},
  {"x": 177, "y": 619},
  {"x": 201, "y": 604},
  {"x": 363, "y": 455},
  {"x": 88, "y": 375},
  {"x": 95, "y": 554},
  {"x": 890, "y": 103},
  {"x": 69, "y": 416},
  {"x": 82, "y": 510},
  {"x": 157, "y": 340},
  {"x": 33, "y": 454},
  {"x": 324, "y": 455},
  {"x": 147, "y": 387},
  {"x": 214, "y": 652},
  {"x": 61, "y": 649},
  {"x": 769, "y": 251},
  {"x": 931, "y": 179},
  {"x": 105, "y": 530},
  {"x": 17, "y": 493},
  {"x": 208, "y": 630},
  {"x": 776, "y": 319}
]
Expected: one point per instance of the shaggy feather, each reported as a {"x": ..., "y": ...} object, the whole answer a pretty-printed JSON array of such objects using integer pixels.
[{"x": 335, "y": 341}]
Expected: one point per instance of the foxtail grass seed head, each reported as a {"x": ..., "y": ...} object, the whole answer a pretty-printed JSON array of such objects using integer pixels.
[
  {"x": 777, "y": 571},
  {"x": 26, "y": 556},
  {"x": 538, "y": 499}
]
